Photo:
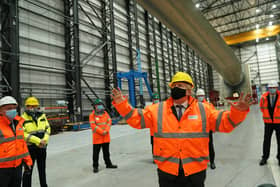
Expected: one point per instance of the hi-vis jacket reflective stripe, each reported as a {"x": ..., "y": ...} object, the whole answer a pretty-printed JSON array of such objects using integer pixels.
[
  {"x": 13, "y": 149},
  {"x": 265, "y": 111},
  {"x": 35, "y": 132},
  {"x": 185, "y": 140},
  {"x": 99, "y": 124}
]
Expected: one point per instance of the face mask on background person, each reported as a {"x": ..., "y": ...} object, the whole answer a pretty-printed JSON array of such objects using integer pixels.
[
  {"x": 30, "y": 112},
  {"x": 11, "y": 114},
  {"x": 178, "y": 93},
  {"x": 155, "y": 101},
  {"x": 272, "y": 90},
  {"x": 100, "y": 109},
  {"x": 200, "y": 98}
]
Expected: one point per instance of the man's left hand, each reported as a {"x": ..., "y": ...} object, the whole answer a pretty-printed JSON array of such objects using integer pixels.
[{"x": 243, "y": 103}]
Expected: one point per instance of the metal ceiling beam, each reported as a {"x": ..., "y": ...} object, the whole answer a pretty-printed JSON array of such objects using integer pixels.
[
  {"x": 219, "y": 6},
  {"x": 238, "y": 11},
  {"x": 252, "y": 35},
  {"x": 251, "y": 26},
  {"x": 190, "y": 25}
]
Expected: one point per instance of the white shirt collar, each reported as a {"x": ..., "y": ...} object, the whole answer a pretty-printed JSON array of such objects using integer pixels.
[{"x": 185, "y": 104}]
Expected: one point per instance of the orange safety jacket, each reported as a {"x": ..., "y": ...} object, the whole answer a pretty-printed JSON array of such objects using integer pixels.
[
  {"x": 265, "y": 111},
  {"x": 99, "y": 124},
  {"x": 151, "y": 130},
  {"x": 208, "y": 103},
  {"x": 13, "y": 148},
  {"x": 185, "y": 140}
]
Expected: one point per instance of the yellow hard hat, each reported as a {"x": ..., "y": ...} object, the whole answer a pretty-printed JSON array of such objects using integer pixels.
[
  {"x": 32, "y": 101},
  {"x": 181, "y": 77}
]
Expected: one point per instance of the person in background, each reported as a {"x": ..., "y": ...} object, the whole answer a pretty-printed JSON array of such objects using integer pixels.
[
  {"x": 100, "y": 123},
  {"x": 37, "y": 131},
  {"x": 270, "y": 108},
  {"x": 200, "y": 95},
  {"x": 181, "y": 128},
  {"x": 13, "y": 149}
]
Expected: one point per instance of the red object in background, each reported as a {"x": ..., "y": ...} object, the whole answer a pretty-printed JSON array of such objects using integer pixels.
[
  {"x": 254, "y": 94},
  {"x": 214, "y": 97},
  {"x": 231, "y": 98}
]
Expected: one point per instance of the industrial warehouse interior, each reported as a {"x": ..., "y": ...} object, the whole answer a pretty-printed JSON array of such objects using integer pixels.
[{"x": 69, "y": 59}]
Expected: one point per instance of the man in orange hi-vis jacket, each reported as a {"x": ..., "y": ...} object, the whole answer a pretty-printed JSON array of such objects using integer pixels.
[
  {"x": 270, "y": 108},
  {"x": 100, "y": 123},
  {"x": 181, "y": 128},
  {"x": 13, "y": 148}
]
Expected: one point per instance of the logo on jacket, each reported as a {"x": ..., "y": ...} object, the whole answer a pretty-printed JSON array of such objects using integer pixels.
[{"x": 192, "y": 117}]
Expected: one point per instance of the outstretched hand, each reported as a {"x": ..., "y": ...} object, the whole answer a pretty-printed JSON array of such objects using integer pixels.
[
  {"x": 117, "y": 95},
  {"x": 243, "y": 103}
]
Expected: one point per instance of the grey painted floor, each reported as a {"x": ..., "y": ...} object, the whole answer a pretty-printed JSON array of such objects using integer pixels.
[{"x": 237, "y": 156}]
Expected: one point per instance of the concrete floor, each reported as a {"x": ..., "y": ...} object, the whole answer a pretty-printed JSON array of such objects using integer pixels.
[{"x": 237, "y": 156}]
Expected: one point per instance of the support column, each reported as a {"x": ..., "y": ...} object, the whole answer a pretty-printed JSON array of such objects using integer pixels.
[
  {"x": 113, "y": 44},
  {"x": 72, "y": 59},
  {"x": 129, "y": 31},
  {"x": 156, "y": 59},
  {"x": 163, "y": 61},
  {"x": 68, "y": 54},
  {"x": 10, "y": 47},
  {"x": 77, "y": 76},
  {"x": 150, "y": 70},
  {"x": 277, "y": 48}
]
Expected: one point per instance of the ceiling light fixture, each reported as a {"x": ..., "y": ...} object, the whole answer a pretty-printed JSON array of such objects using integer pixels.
[
  {"x": 257, "y": 40},
  {"x": 197, "y": 5},
  {"x": 273, "y": 6},
  {"x": 258, "y": 10},
  {"x": 267, "y": 38},
  {"x": 271, "y": 15},
  {"x": 270, "y": 23},
  {"x": 257, "y": 26}
]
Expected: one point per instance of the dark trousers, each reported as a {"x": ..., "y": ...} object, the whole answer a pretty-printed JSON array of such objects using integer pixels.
[
  {"x": 268, "y": 130},
  {"x": 211, "y": 147},
  {"x": 10, "y": 177},
  {"x": 168, "y": 180},
  {"x": 106, "y": 154},
  {"x": 152, "y": 143},
  {"x": 38, "y": 155}
]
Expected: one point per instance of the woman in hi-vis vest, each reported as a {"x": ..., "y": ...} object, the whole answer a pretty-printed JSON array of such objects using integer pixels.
[{"x": 100, "y": 123}]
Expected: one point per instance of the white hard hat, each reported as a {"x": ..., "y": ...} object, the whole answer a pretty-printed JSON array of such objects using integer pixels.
[
  {"x": 272, "y": 84},
  {"x": 8, "y": 100},
  {"x": 200, "y": 92}
]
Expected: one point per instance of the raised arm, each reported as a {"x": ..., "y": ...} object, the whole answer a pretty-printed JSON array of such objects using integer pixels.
[{"x": 137, "y": 118}]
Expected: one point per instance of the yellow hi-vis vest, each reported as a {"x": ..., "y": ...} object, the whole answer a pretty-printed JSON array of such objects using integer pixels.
[{"x": 35, "y": 132}]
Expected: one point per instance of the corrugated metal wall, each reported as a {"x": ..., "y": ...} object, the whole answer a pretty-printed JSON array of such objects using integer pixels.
[
  {"x": 42, "y": 69},
  {"x": 42, "y": 50}
]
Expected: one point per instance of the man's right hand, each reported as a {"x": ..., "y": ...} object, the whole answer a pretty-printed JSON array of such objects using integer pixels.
[
  {"x": 117, "y": 96},
  {"x": 43, "y": 143},
  {"x": 27, "y": 169},
  {"x": 105, "y": 132}
]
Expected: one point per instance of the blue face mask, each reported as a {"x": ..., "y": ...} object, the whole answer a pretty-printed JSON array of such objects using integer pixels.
[
  {"x": 200, "y": 99},
  {"x": 155, "y": 101},
  {"x": 272, "y": 90},
  {"x": 100, "y": 109},
  {"x": 11, "y": 114}
]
